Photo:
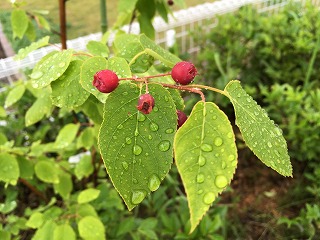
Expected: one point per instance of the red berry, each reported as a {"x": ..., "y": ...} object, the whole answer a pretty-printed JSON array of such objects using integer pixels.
[
  {"x": 182, "y": 117},
  {"x": 145, "y": 103},
  {"x": 183, "y": 72},
  {"x": 105, "y": 81},
  {"x": 170, "y": 2}
]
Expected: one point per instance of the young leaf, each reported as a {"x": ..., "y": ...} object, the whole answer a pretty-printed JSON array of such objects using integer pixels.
[
  {"x": 14, "y": 95},
  {"x": 23, "y": 52},
  {"x": 19, "y": 23},
  {"x": 41, "y": 107},
  {"x": 84, "y": 168},
  {"x": 66, "y": 135},
  {"x": 206, "y": 157},
  {"x": 47, "y": 171},
  {"x": 88, "y": 195},
  {"x": 64, "y": 232},
  {"x": 64, "y": 187},
  {"x": 67, "y": 92},
  {"x": 91, "y": 228},
  {"x": 260, "y": 133},
  {"x": 51, "y": 68},
  {"x": 137, "y": 148},
  {"x": 98, "y": 48},
  {"x": 9, "y": 169}
]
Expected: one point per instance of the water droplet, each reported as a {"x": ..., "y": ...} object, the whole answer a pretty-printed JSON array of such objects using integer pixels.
[
  {"x": 206, "y": 147},
  {"x": 125, "y": 93},
  {"x": 62, "y": 64},
  {"x": 269, "y": 144},
  {"x": 155, "y": 109},
  {"x": 200, "y": 178},
  {"x": 36, "y": 75},
  {"x": 137, "y": 150},
  {"x": 154, "y": 127},
  {"x": 248, "y": 100},
  {"x": 208, "y": 198},
  {"x": 223, "y": 165},
  {"x": 125, "y": 165},
  {"x": 136, "y": 132},
  {"x": 200, "y": 191},
  {"x": 120, "y": 126},
  {"x": 221, "y": 181},
  {"x": 115, "y": 137},
  {"x": 169, "y": 130},
  {"x": 154, "y": 183},
  {"x": 218, "y": 141},
  {"x": 141, "y": 117},
  {"x": 202, "y": 161},
  {"x": 234, "y": 163},
  {"x": 150, "y": 137},
  {"x": 128, "y": 140},
  {"x": 137, "y": 196},
  {"x": 214, "y": 117},
  {"x": 231, "y": 157},
  {"x": 229, "y": 135},
  {"x": 166, "y": 98},
  {"x": 164, "y": 146}
]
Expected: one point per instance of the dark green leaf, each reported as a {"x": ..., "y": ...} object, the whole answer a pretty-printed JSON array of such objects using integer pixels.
[
  {"x": 137, "y": 148},
  {"x": 260, "y": 133},
  {"x": 206, "y": 157},
  {"x": 67, "y": 91}
]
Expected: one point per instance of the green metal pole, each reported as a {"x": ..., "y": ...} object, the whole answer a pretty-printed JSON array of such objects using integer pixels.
[{"x": 103, "y": 13}]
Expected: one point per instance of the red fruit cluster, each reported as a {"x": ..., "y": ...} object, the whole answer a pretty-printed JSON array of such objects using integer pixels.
[
  {"x": 105, "y": 81},
  {"x": 145, "y": 103},
  {"x": 183, "y": 72}
]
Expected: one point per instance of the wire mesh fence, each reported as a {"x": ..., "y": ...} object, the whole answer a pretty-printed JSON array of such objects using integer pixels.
[{"x": 179, "y": 29}]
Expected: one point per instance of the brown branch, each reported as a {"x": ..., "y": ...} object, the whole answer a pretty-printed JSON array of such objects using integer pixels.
[{"x": 33, "y": 189}]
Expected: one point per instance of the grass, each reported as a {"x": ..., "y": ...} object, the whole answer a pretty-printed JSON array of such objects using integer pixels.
[{"x": 83, "y": 17}]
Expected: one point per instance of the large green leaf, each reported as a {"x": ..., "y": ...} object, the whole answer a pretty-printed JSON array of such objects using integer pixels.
[
  {"x": 260, "y": 133},
  {"x": 206, "y": 157},
  {"x": 47, "y": 171},
  {"x": 14, "y": 95},
  {"x": 9, "y": 169},
  {"x": 51, "y": 68},
  {"x": 19, "y": 22},
  {"x": 67, "y": 91},
  {"x": 137, "y": 148},
  {"x": 64, "y": 232}
]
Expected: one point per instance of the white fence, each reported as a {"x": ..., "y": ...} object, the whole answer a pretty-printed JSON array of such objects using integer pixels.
[{"x": 182, "y": 22}]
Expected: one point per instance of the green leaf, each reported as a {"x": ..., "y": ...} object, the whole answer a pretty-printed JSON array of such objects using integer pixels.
[
  {"x": 84, "y": 168},
  {"x": 40, "y": 108},
  {"x": 137, "y": 148},
  {"x": 158, "y": 52},
  {"x": 147, "y": 11},
  {"x": 19, "y": 22},
  {"x": 260, "y": 133},
  {"x": 43, "y": 22},
  {"x": 14, "y": 95},
  {"x": 91, "y": 228},
  {"x": 206, "y": 157},
  {"x": 9, "y": 169},
  {"x": 66, "y": 135},
  {"x": 162, "y": 8},
  {"x": 23, "y": 52},
  {"x": 64, "y": 232},
  {"x": 64, "y": 187},
  {"x": 51, "y": 68},
  {"x": 36, "y": 220},
  {"x": 88, "y": 195},
  {"x": 5, "y": 235},
  {"x": 47, "y": 171},
  {"x": 88, "y": 69},
  {"x": 86, "y": 138},
  {"x": 98, "y": 48},
  {"x": 3, "y": 112},
  {"x": 67, "y": 91},
  {"x": 26, "y": 168},
  {"x": 46, "y": 231},
  {"x": 125, "y": 11},
  {"x": 31, "y": 32}
]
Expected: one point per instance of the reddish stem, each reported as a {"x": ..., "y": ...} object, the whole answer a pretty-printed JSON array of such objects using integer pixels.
[
  {"x": 186, "y": 88},
  {"x": 142, "y": 79}
]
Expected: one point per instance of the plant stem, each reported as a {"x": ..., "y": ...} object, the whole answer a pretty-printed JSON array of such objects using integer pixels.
[
  {"x": 33, "y": 189},
  {"x": 186, "y": 88},
  {"x": 63, "y": 29},
  {"x": 311, "y": 63},
  {"x": 146, "y": 77},
  {"x": 103, "y": 15},
  {"x": 209, "y": 88}
]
